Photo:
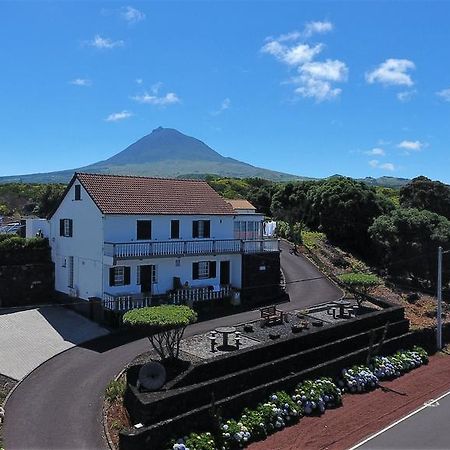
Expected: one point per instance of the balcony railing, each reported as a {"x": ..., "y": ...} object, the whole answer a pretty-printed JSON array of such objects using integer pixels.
[
  {"x": 188, "y": 248},
  {"x": 194, "y": 295},
  {"x": 125, "y": 302}
]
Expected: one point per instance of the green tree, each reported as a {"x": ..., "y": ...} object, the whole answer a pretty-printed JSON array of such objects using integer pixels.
[
  {"x": 406, "y": 241},
  {"x": 164, "y": 326},
  {"x": 344, "y": 209},
  {"x": 290, "y": 203},
  {"x": 423, "y": 193},
  {"x": 361, "y": 283}
]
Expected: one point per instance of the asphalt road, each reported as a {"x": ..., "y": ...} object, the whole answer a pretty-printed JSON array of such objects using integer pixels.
[
  {"x": 426, "y": 429},
  {"x": 59, "y": 405}
]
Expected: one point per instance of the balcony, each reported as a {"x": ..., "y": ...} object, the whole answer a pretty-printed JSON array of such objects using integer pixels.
[{"x": 150, "y": 249}]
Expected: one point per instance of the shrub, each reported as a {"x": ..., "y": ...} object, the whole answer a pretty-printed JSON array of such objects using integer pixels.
[
  {"x": 116, "y": 389},
  {"x": 9, "y": 242},
  {"x": 165, "y": 325},
  {"x": 363, "y": 283},
  {"x": 196, "y": 441}
]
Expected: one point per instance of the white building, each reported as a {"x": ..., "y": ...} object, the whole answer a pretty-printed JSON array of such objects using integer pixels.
[{"x": 128, "y": 240}]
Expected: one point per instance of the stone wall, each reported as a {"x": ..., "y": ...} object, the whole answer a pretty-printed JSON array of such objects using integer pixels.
[
  {"x": 260, "y": 278},
  {"x": 26, "y": 277}
]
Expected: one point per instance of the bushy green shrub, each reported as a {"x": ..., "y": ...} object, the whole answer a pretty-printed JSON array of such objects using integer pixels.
[
  {"x": 116, "y": 389},
  {"x": 164, "y": 316},
  {"x": 164, "y": 324},
  {"x": 11, "y": 242}
]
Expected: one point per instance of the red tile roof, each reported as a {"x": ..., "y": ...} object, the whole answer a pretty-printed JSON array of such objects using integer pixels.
[{"x": 118, "y": 194}]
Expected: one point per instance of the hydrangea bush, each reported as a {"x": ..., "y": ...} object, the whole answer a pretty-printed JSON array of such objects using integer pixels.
[
  {"x": 358, "y": 379},
  {"x": 196, "y": 441},
  {"x": 314, "y": 396},
  {"x": 309, "y": 397}
]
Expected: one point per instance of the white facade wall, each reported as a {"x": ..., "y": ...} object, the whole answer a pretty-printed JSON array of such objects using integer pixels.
[
  {"x": 85, "y": 246},
  {"x": 168, "y": 268},
  {"x": 121, "y": 228}
]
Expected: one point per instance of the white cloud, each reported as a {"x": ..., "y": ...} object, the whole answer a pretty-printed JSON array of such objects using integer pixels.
[
  {"x": 385, "y": 166},
  {"x": 139, "y": 80},
  {"x": 406, "y": 96},
  {"x": 226, "y": 103},
  {"x": 412, "y": 146},
  {"x": 317, "y": 28},
  {"x": 392, "y": 72},
  {"x": 377, "y": 151},
  {"x": 331, "y": 70},
  {"x": 315, "y": 78},
  {"x": 444, "y": 94},
  {"x": 293, "y": 56},
  {"x": 81, "y": 82},
  {"x": 115, "y": 117},
  {"x": 104, "y": 43},
  {"x": 153, "y": 99},
  {"x": 132, "y": 15}
]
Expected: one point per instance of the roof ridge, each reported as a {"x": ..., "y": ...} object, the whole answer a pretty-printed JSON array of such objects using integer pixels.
[{"x": 139, "y": 176}]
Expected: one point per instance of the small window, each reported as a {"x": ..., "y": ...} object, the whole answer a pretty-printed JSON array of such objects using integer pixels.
[
  {"x": 201, "y": 229},
  {"x": 174, "y": 229},
  {"x": 144, "y": 230},
  {"x": 119, "y": 276},
  {"x": 77, "y": 192},
  {"x": 203, "y": 269},
  {"x": 66, "y": 227}
]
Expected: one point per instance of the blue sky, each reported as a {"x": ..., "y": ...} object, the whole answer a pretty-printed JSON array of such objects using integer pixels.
[{"x": 310, "y": 88}]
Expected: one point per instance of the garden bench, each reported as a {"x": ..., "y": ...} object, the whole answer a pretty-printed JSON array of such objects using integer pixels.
[{"x": 271, "y": 315}]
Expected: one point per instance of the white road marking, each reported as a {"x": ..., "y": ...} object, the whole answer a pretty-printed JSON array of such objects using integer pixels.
[{"x": 425, "y": 405}]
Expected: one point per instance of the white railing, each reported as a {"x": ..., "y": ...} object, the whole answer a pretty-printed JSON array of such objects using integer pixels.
[
  {"x": 183, "y": 248},
  {"x": 125, "y": 302},
  {"x": 200, "y": 294}
]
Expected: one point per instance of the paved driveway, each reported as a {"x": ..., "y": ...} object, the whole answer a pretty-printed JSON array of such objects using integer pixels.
[{"x": 30, "y": 337}]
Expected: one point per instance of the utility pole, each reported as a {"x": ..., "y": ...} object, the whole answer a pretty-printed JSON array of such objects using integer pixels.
[{"x": 439, "y": 301}]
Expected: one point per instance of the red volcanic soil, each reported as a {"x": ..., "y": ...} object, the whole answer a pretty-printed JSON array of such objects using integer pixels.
[{"x": 364, "y": 414}]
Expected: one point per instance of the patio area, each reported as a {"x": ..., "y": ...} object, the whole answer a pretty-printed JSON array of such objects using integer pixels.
[{"x": 213, "y": 343}]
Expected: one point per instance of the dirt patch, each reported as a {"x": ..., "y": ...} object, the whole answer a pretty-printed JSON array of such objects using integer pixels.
[
  {"x": 362, "y": 415},
  {"x": 334, "y": 261},
  {"x": 117, "y": 419}
]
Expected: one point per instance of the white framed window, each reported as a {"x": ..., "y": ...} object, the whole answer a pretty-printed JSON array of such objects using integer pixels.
[
  {"x": 203, "y": 270},
  {"x": 119, "y": 276}
]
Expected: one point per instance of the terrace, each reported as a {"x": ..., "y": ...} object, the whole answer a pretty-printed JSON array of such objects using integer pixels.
[{"x": 136, "y": 250}]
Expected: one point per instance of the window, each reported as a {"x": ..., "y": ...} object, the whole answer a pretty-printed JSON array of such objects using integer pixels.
[
  {"x": 154, "y": 275},
  {"x": 201, "y": 229},
  {"x": 70, "y": 273},
  {"x": 203, "y": 269},
  {"x": 144, "y": 229},
  {"x": 77, "y": 192},
  {"x": 119, "y": 276},
  {"x": 174, "y": 229},
  {"x": 66, "y": 227}
]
